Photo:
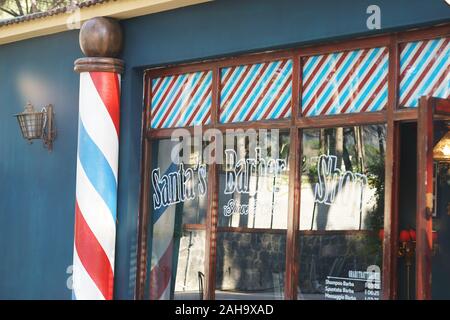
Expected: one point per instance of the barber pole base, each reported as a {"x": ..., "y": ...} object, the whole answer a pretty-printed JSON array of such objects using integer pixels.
[{"x": 96, "y": 186}]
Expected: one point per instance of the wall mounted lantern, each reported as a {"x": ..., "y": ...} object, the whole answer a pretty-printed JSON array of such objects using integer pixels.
[
  {"x": 441, "y": 151},
  {"x": 37, "y": 125}
]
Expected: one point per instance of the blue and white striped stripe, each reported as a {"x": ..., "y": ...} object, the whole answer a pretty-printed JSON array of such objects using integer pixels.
[
  {"x": 96, "y": 191},
  {"x": 345, "y": 82},
  {"x": 256, "y": 92},
  {"x": 181, "y": 100},
  {"x": 424, "y": 70}
]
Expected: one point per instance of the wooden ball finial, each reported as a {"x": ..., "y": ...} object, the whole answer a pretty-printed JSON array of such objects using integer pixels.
[{"x": 101, "y": 37}]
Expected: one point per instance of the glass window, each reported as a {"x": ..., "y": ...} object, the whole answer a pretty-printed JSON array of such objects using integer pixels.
[
  {"x": 345, "y": 82},
  {"x": 424, "y": 70},
  {"x": 181, "y": 100},
  {"x": 176, "y": 248},
  {"x": 252, "y": 216},
  {"x": 342, "y": 213},
  {"x": 259, "y": 91}
]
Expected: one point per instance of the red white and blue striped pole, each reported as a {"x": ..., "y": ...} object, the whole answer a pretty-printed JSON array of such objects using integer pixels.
[{"x": 97, "y": 168}]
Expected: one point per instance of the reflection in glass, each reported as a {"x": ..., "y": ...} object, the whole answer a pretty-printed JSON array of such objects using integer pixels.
[
  {"x": 252, "y": 217},
  {"x": 253, "y": 182},
  {"x": 176, "y": 246},
  {"x": 342, "y": 211},
  {"x": 190, "y": 275},
  {"x": 250, "y": 265}
]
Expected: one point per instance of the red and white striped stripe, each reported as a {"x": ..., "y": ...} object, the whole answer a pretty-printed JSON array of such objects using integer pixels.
[
  {"x": 424, "y": 70},
  {"x": 256, "y": 92},
  {"x": 96, "y": 188},
  {"x": 181, "y": 100},
  {"x": 344, "y": 82}
]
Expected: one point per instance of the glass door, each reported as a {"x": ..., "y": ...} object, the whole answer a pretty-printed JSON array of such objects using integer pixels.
[{"x": 433, "y": 156}]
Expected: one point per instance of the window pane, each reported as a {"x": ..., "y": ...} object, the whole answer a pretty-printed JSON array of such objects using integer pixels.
[
  {"x": 342, "y": 213},
  {"x": 253, "y": 207},
  {"x": 181, "y": 100},
  {"x": 345, "y": 82},
  {"x": 177, "y": 237},
  {"x": 253, "y": 92},
  {"x": 424, "y": 70},
  {"x": 250, "y": 265},
  {"x": 190, "y": 276}
]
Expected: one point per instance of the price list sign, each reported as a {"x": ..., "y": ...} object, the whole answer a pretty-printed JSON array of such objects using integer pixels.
[{"x": 358, "y": 285}]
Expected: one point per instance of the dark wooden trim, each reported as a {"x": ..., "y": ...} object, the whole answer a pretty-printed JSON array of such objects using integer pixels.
[
  {"x": 143, "y": 220},
  {"x": 390, "y": 192},
  {"x": 395, "y": 229},
  {"x": 210, "y": 65},
  {"x": 92, "y": 64},
  {"x": 213, "y": 201},
  {"x": 292, "y": 263},
  {"x": 336, "y": 232},
  {"x": 144, "y": 199},
  {"x": 156, "y": 134},
  {"x": 391, "y": 218},
  {"x": 193, "y": 226},
  {"x": 211, "y": 233},
  {"x": 348, "y": 45},
  {"x": 250, "y": 230},
  {"x": 442, "y": 30},
  {"x": 296, "y": 90},
  {"x": 405, "y": 114},
  {"x": 348, "y": 119},
  {"x": 264, "y": 124},
  {"x": 441, "y": 107},
  {"x": 394, "y": 74},
  {"x": 424, "y": 240},
  {"x": 215, "y": 97},
  {"x": 180, "y": 69},
  {"x": 267, "y": 56}
]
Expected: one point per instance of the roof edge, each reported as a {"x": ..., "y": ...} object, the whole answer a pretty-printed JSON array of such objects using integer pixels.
[{"x": 73, "y": 18}]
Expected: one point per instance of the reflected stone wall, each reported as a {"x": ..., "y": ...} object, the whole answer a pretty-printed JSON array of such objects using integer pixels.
[
  {"x": 191, "y": 261},
  {"x": 250, "y": 261}
]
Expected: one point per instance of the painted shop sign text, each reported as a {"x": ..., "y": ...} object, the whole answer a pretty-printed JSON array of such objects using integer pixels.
[
  {"x": 239, "y": 172},
  {"x": 333, "y": 182},
  {"x": 178, "y": 186}
]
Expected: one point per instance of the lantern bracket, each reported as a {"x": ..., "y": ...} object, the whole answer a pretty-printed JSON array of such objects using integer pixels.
[{"x": 48, "y": 131}]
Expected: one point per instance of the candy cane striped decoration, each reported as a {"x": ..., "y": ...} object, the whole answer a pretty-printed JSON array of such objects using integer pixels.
[
  {"x": 345, "y": 82},
  {"x": 163, "y": 221},
  {"x": 181, "y": 100},
  {"x": 96, "y": 189},
  {"x": 424, "y": 70},
  {"x": 256, "y": 92}
]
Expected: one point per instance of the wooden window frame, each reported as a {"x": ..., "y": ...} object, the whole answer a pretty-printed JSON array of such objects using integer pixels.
[{"x": 392, "y": 116}]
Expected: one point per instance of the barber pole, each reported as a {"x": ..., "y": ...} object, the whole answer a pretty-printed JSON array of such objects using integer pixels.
[
  {"x": 96, "y": 188},
  {"x": 97, "y": 159}
]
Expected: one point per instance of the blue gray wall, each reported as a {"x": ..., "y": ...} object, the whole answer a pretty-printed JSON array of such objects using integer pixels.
[{"x": 37, "y": 188}]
